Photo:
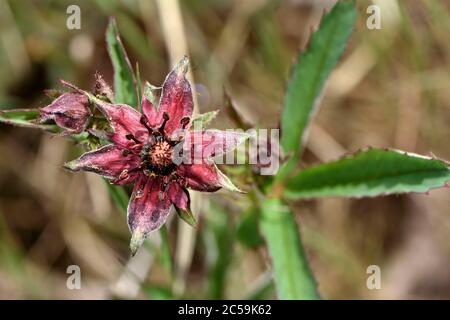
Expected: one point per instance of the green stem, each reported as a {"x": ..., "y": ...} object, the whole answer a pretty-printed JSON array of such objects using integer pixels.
[{"x": 292, "y": 275}]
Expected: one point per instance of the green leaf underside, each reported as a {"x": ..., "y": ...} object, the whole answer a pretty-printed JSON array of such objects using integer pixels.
[
  {"x": 202, "y": 120},
  {"x": 124, "y": 78},
  {"x": 310, "y": 73},
  {"x": 26, "y": 118},
  {"x": 369, "y": 173},
  {"x": 293, "y": 278}
]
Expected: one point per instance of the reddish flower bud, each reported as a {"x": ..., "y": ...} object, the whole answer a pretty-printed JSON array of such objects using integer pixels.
[
  {"x": 102, "y": 88},
  {"x": 70, "y": 111}
]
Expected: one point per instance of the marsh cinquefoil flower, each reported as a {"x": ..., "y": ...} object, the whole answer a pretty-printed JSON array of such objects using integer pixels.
[{"x": 143, "y": 151}]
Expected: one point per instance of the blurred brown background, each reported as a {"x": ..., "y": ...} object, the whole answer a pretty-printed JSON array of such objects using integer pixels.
[{"x": 391, "y": 89}]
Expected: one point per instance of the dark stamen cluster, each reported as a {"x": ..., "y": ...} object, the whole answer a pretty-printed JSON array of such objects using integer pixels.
[{"x": 156, "y": 153}]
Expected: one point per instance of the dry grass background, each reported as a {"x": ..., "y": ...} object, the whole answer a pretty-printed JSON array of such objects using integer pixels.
[{"x": 390, "y": 89}]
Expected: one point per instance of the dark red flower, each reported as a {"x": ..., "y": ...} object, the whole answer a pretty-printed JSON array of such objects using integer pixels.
[
  {"x": 143, "y": 151},
  {"x": 70, "y": 111}
]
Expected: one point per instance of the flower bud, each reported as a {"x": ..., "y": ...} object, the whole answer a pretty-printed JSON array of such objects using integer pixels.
[
  {"x": 102, "y": 88},
  {"x": 70, "y": 111}
]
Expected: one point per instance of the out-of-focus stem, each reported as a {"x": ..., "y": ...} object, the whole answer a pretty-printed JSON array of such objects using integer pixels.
[{"x": 174, "y": 36}]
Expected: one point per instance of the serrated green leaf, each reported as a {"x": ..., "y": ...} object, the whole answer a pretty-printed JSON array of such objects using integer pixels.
[
  {"x": 27, "y": 118},
  {"x": 124, "y": 77},
  {"x": 292, "y": 276},
  {"x": 369, "y": 173},
  {"x": 310, "y": 73}
]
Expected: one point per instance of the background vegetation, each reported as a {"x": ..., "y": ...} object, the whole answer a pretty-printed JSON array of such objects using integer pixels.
[{"x": 388, "y": 90}]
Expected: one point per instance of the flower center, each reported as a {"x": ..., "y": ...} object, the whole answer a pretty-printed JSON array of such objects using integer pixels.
[
  {"x": 160, "y": 154},
  {"x": 157, "y": 157},
  {"x": 157, "y": 154}
]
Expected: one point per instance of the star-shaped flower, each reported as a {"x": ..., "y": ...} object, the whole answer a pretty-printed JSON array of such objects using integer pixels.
[{"x": 157, "y": 151}]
